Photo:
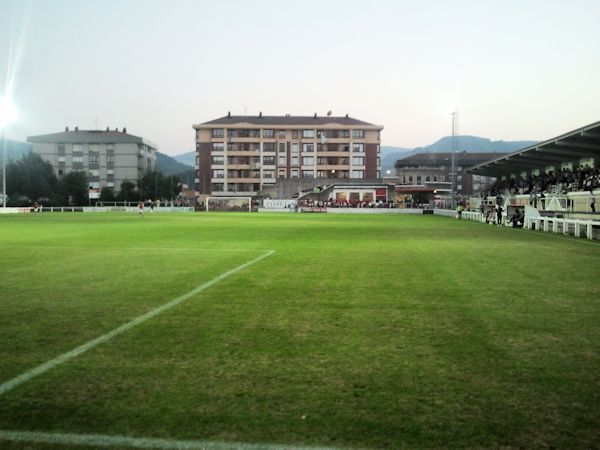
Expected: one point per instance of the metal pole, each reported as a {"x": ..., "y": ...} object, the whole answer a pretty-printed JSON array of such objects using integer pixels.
[
  {"x": 4, "y": 167},
  {"x": 453, "y": 170}
]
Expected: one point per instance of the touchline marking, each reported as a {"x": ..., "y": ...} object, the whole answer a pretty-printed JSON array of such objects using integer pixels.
[
  {"x": 11, "y": 384},
  {"x": 152, "y": 443},
  {"x": 137, "y": 249}
]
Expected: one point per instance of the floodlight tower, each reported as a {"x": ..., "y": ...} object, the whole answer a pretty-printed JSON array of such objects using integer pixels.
[
  {"x": 454, "y": 115},
  {"x": 7, "y": 115}
]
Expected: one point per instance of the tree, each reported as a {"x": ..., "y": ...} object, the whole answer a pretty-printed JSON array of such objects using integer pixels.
[
  {"x": 75, "y": 188},
  {"x": 155, "y": 185},
  {"x": 127, "y": 192},
  {"x": 31, "y": 179},
  {"x": 107, "y": 195},
  {"x": 149, "y": 183},
  {"x": 170, "y": 187}
]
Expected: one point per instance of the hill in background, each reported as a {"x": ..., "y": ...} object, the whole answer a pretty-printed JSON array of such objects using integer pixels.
[
  {"x": 188, "y": 158},
  {"x": 14, "y": 150},
  {"x": 470, "y": 144}
]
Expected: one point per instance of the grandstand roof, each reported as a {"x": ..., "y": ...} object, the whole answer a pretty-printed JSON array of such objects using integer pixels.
[{"x": 569, "y": 147}]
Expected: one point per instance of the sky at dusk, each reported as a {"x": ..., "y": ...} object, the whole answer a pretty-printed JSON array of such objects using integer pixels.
[{"x": 515, "y": 70}]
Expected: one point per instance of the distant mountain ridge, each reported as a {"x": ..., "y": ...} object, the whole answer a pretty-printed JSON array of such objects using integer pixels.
[
  {"x": 14, "y": 150},
  {"x": 470, "y": 144},
  {"x": 188, "y": 158}
]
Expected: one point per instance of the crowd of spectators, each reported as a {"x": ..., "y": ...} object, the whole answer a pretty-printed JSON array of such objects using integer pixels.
[
  {"x": 331, "y": 203},
  {"x": 583, "y": 178}
]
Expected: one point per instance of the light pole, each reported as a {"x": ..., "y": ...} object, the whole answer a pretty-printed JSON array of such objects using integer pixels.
[
  {"x": 7, "y": 115},
  {"x": 453, "y": 170},
  {"x": 4, "y": 167}
]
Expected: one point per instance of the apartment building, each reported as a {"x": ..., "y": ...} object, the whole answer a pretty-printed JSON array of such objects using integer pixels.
[
  {"x": 108, "y": 157},
  {"x": 241, "y": 155}
]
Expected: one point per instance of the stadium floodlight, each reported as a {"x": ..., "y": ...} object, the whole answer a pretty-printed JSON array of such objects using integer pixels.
[{"x": 8, "y": 114}]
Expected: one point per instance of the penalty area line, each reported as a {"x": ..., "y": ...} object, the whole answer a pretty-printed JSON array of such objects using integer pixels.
[
  {"x": 13, "y": 383},
  {"x": 101, "y": 440}
]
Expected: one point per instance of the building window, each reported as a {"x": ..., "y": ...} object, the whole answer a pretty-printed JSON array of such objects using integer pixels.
[
  {"x": 282, "y": 160},
  {"x": 308, "y": 133},
  {"x": 281, "y": 134},
  {"x": 218, "y": 147},
  {"x": 295, "y": 148},
  {"x": 281, "y": 173},
  {"x": 269, "y": 147},
  {"x": 268, "y": 133},
  {"x": 358, "y": 161},
  {"x": 358, "y": 174},
  {"x": 308, "y": 161},
  {"x": 61, "y": 149},
  {"x": 358, "y": 134},
  {"x": 344, "y": 133},
  {"x": 218, "y": 173},
  {"x": 218, "y": 160},
  {"x": 358, "y": 148},
  {"x": 110, "y": 159},
  {"x": 282, "y": 148},
  {"x": 78, "y": 159},
  {"x": 294, "y": 134},
  {"x": 295, "y": 173},
  {"x": 295, "y": 161},
  {"x": 218, "y": 187},
  {"x": 270, "y": 174},
  {"x": 308, "y": 174},
  {"x": 427, "y": 178},
  {"x": 308, "y": 148},
  {"x": 459, "y": 177},
  {"x": 94, "y": 159},
  {"x": 218, "y": 132},
  {"x": 269, "y": 160},
  {"x": 418, "y": 179}
]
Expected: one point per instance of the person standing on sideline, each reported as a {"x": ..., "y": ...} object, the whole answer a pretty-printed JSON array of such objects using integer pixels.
[
  {"x": 499, "y": 215},
  {"x": 593, "y": 204},
  {"x": 141, "y": 209}
]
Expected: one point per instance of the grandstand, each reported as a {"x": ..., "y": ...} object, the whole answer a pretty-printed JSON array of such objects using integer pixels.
[{"x": 555, "y": 181}]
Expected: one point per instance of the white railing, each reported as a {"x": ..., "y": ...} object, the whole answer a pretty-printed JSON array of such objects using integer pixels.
[{"x": 561, "y": 225}]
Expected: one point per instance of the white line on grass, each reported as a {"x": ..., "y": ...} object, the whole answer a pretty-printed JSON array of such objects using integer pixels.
[
  {"x": 124, "y": 441},
  {"x": 11, "y": 384},
  {"x": 139, "y": 249}
]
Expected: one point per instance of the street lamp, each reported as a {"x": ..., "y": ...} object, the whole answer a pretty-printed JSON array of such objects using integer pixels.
[{"x": 7, "y": 115}]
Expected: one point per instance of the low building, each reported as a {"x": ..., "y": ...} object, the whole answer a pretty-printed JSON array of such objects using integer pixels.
[
  {"x": 108, "y": 157},
  {"x": 433, "y": 171},
  {"x": 247, "y": 155}
]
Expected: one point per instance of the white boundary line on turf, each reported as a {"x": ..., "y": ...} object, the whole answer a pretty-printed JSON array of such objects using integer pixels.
[
  {"x": 101, "y": 440},
  {"x": 13, "y": 383},
  {"x": 140, "y": 249}
]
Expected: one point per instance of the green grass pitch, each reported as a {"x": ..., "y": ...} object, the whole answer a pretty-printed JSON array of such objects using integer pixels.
[{"x": 357, "y": 332}]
